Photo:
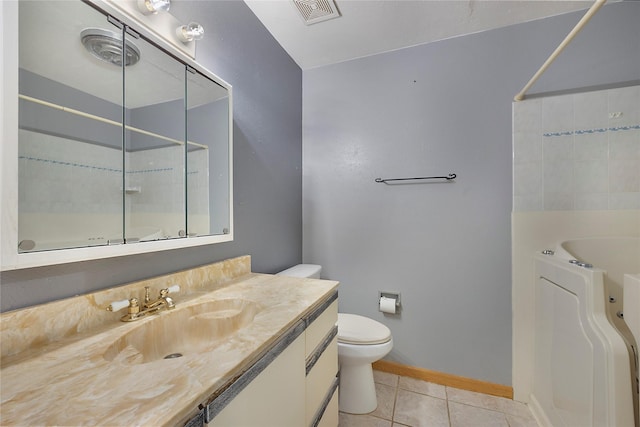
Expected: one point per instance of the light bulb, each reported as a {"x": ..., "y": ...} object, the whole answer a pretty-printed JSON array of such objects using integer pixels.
[
  {"x": 187, "y": 33},
  {"x": 148, "y": 7}
]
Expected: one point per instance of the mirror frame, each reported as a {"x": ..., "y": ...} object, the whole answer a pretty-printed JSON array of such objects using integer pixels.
[{"x": 159, "y": 30}]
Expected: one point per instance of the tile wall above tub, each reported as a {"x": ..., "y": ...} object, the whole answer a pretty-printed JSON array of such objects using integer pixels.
[{"x": 577, "y": 152}]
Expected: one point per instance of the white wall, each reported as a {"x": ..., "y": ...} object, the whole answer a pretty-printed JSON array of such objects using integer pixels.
[{"x": 438, "y": 108}]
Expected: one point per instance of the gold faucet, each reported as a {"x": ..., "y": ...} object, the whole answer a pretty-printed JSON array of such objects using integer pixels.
[
  {"x": 163, "y": 300},
  {"x": 149, "y": 307}
]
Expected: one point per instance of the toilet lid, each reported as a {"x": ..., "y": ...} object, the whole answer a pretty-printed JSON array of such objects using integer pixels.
[{"x": 354, "y": 329}]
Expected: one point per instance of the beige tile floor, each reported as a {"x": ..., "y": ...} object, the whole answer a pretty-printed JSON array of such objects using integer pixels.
[{"x": 404, "y": 401}]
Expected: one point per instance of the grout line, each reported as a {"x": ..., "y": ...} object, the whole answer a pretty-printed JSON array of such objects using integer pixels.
[
  {"x": 446, "y": 399},
  {"x": 395, "y": 400},
  {"x": 446, "y": 394}
]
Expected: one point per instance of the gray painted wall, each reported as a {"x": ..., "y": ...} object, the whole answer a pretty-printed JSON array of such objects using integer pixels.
[
  {"x": 267, "y": 88},
  {"x": 436, "y": 109}
]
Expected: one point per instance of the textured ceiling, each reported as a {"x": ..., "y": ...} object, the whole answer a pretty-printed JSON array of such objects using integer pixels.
[{"x": 368, "y": 27}]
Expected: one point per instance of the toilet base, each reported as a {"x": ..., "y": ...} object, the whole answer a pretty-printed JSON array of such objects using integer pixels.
[{"x": 357, "y": 393}]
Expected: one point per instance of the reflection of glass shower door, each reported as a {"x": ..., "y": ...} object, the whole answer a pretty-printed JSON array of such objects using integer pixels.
[
  {"x": 70, "y": 137},
  {"x": 68, "y": 192},
  {"x": 198, "y": 190},
  {"x": 208, "y": 186},
  {"x": 154, "y": 177}
]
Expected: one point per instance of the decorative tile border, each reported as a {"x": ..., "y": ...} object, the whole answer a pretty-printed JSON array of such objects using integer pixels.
[
  {"x": 633, "y": 127},
  {"x": 590, "y": 131},
  {"x": 80, "y": 165},
  {"x": 63, "y": 163},
  {"x": 553, "y": 134},
  {"x": 151, "y": 170}
]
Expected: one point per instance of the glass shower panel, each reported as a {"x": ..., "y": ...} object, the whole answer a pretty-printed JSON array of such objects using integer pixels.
[
  {"x": 154, "y": 189},
  {"x": 70, "y": 128},
  {"x": 208, "y": 178}
]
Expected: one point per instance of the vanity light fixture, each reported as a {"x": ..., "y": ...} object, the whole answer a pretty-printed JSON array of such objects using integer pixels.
[
  {"x": 148, "y": 7},
  {"x": 190, "y": 32}
]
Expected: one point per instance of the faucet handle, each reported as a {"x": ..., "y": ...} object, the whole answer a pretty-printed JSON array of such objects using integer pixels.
[
  {"x": 118, "y": 305},
  {"x": 173, "y": 289}
]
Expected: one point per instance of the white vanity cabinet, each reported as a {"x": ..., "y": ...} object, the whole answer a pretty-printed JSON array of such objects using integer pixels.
[{"x": 294, "y": 384}]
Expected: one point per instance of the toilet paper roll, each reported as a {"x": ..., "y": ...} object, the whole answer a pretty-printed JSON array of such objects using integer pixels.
[{"x": 388, "y": 305}]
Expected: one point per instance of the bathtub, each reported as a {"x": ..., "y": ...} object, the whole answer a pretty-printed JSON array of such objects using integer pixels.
[{"x": 585, "y": 363}]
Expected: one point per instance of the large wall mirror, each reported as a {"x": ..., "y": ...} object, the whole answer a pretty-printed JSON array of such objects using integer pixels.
[{"x": 121, "y": 145}]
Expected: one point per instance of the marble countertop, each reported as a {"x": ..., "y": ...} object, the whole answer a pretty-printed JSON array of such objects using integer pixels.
[{"x": 69, "y": 382}]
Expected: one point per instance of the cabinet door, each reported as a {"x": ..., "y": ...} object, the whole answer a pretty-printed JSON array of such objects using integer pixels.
[
  {"x": 208, "y": 156},
  {"x": 155, "y": 182},
  {"x": 275, "y": 398},
  {"x": 70, "y": 127}
]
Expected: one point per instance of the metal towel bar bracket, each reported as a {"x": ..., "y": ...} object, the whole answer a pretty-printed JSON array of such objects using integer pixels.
[{"x": 450, "y": 177}]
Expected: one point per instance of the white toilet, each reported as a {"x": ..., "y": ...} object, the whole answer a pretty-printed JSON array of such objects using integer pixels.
[{"x": 361, "y": 341}]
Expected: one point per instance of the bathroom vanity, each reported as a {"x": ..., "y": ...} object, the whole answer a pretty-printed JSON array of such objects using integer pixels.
[
  {"x": 255, "y": 349},
  {"x": 115, "y": 142},
  {"x": 299, "y": 388}
]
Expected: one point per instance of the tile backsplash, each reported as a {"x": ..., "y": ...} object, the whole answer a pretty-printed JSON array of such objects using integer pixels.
[{"x": 577, "y": 152}]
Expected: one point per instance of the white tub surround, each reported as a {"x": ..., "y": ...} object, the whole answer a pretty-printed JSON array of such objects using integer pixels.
[
  {"x": 54, "y": 369},
  {"x": 632, "y": 309},
  {"x": 617, "y": 256},
  {"x": 576, "y": 174},
  {"x": 583, "y": 369}
]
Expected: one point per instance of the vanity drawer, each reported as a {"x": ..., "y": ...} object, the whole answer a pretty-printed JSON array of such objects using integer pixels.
[
  {"x": 319, "y": 381},
  {"x": 320, "y": 327},
  {"x": 330, "y": 416}
]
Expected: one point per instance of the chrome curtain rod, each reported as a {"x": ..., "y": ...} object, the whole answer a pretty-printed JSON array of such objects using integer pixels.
[{"x": 450, "y": 177}]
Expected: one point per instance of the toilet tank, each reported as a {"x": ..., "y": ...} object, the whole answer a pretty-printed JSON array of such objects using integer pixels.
[{"x": 311, "y": 271}]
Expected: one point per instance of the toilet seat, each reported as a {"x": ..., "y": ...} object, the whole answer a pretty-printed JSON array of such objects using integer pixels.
[{"x": 360, "y": 330}]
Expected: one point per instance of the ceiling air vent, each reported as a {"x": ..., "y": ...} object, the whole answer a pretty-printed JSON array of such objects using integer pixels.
[{"x": 314, "y": 11}]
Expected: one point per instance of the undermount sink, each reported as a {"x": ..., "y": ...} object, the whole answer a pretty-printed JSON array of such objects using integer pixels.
[{"x": 182, "y": 331}]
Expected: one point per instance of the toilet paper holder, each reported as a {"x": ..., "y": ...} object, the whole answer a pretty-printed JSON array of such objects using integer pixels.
[{"x": 393, "y": 295}]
